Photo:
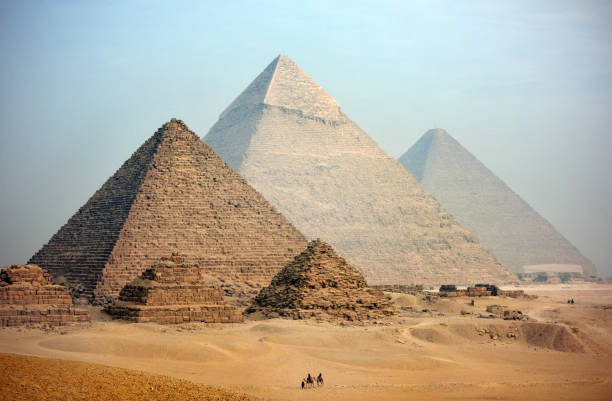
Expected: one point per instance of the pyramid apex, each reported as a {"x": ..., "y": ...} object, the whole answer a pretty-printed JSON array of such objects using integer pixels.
[
  {"x": 174, "y": 125},
  {"x": 284, "y": 84},
  {"x": 176, "y": 122},
  {"x": 437, "y": 132}
]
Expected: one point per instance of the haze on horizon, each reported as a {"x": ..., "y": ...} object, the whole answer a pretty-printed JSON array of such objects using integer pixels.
[{"x": 526, "y": 87}]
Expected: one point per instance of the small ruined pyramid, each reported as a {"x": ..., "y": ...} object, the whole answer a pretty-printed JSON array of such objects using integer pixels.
[
  {"x": 27, "y": 296},
  {"x": 172, "y": 292},
  {"x": 320, "y": 284},
  {"x": 290, "y": 140},
  {"x": 515, "y": 233},
  {"x": 173, "y": 195}
]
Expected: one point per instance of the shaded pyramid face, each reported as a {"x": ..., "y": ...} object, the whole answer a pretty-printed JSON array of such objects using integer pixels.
[
  {"x": 515, "y": 233},
  {"x": 291, "y": 141},
  {"x": 320, "y": 284},
  {"x": 173, "y": 195}
]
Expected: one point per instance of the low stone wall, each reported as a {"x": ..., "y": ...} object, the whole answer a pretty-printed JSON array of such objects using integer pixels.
[
  {"x": 481, "y": 290},
  {"x": 19, "y": 294},
  {"x": 515, "y": 294},
  {"x": 52, "y": 315},
  {"x": 176, "y": 314},
  {"x": 399, "y": 288}
]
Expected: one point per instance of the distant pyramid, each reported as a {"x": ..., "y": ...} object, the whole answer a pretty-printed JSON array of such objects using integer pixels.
[
  {"x": 173, "y": 195},
  {"x": 515, "y": 233},
  {"x": 320, "y": 284},
  {"x": 290, "y": 140}
]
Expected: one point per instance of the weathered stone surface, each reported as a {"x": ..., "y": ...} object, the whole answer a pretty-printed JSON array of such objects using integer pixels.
[
  {"x": 481, "y": 290},
  {"x": 173, "y": 195},
  {"x": 506, "y": 314},
  {"x": 27, "y": 296},
  {"x": 513, "y": 231},
  {"x": 173, "y": 291},
  {"x": 320, "y": 284},
  {"x": 291, "y": 141},
  {"x": 400, "y": 288}
]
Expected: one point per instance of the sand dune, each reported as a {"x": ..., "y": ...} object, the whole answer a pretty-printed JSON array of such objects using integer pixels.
[{"x": 563, "y": 353}]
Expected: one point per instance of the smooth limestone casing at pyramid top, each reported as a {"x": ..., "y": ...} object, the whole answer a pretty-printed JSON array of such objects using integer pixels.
[
  {"x": 515, "y": 233},
  {"x": 173, "y": 195},
  {"x": 291, "y": 141}
]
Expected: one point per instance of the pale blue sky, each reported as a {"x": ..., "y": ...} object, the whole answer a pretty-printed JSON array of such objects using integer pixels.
[{"x": 526, "y": 86}]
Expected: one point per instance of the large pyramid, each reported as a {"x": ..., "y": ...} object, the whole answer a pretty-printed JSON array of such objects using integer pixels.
[
  {"x": 173, "y": 195},
  {"x": 515, "y": 233},
  {"x": 320, "y": 284},
  {"x": 291, "y": 141}
]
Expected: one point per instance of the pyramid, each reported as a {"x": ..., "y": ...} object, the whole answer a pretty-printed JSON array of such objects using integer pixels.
[
  {"x": 27, "y": 296},
  {"x": 320, "y": 284},
  {"x": 173, "y": 195},
  {"x": 515, "y": 233},
  {"x": 171, "y": 292},
  {"x": 290, "y": 140}
]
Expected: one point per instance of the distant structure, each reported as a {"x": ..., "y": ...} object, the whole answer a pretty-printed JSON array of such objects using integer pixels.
[
  {"x": 28, "y": 297},
  {"x": 173, "y": 195},
  {"x": 503, "y": 222},
  {"x": 172, "y": 292},
  {"x": 320, "y": 284},
  {"x": 290, "y": 140}
]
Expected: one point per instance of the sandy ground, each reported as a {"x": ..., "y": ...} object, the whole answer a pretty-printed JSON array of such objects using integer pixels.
[
  {"x": 58, "y": 379},
  {"x": 564, "y": 352}
]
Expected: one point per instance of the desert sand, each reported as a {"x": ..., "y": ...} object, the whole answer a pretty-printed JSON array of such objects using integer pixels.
[{"x": 563, "y": 352}]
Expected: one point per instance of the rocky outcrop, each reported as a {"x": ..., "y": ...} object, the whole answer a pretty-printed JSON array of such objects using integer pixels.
[
  {"x": 28, "y": 297},
  {"x": 290, "y": 140},
  {"x": 322, "y": 285},
  {"x": 173, "y": 195},
  {"x": 173, "y": 291}
]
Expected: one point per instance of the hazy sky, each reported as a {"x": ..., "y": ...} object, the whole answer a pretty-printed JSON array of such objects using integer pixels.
[{"x": 524, "y": 85}]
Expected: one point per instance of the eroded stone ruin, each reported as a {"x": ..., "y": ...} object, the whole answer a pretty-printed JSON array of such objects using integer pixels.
[
  {"x": 480, "y": 290},
  {"x": 28, "y": 297},
  {"x": 320, "y": 284},
  {"x": 288, "y": 137},
  {"x": 170, "y": 292},
  {"x": 173, "y": 195}
]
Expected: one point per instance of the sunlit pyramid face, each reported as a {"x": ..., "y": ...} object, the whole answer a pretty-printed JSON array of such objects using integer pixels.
[{"x": 289, "y": 139}]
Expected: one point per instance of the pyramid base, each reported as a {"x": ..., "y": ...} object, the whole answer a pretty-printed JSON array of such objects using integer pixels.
[
  {"x": 175, "y": 314},
  {"x": 328, "y": 315},
  {"x": 53, "y": 315}
]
